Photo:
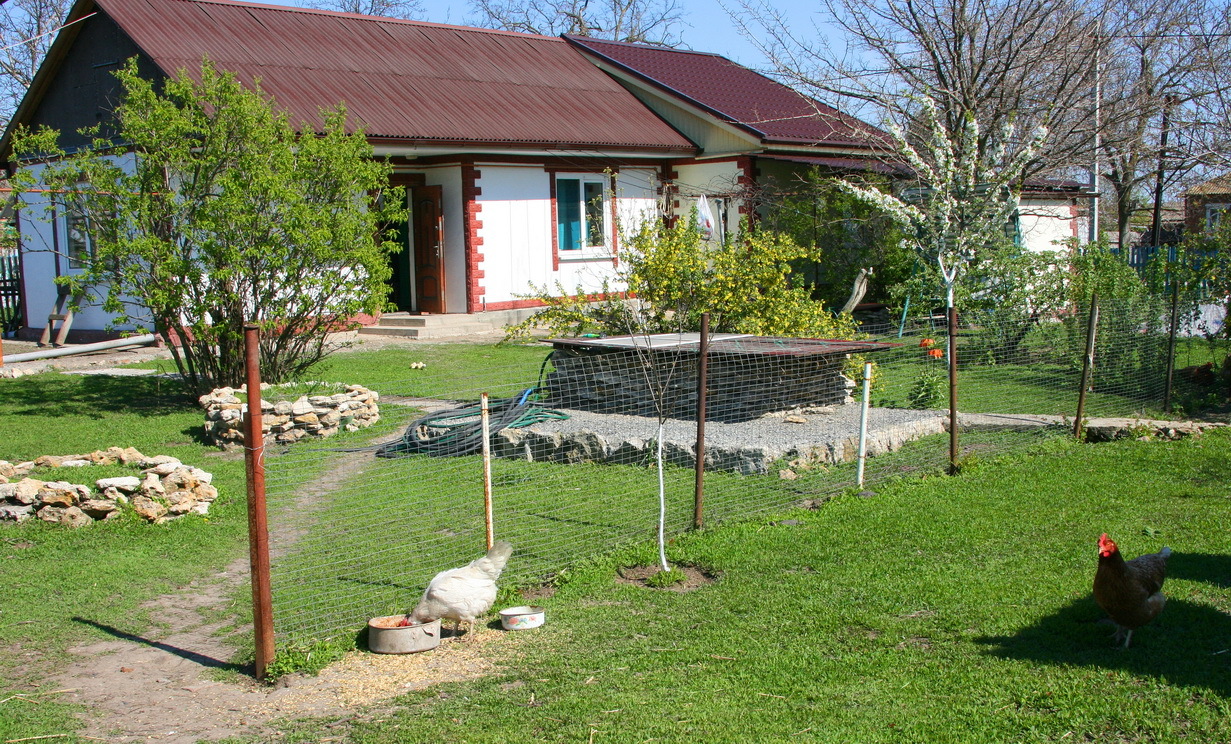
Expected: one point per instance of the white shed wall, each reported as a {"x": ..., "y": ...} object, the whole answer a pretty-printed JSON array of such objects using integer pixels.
[{"x": 1046, "y": 223}]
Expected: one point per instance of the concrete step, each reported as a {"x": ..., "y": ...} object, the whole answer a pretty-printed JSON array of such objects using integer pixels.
[
  {"x": 411, "y": 325},
  {"x": 399, "y": 320},
  {"x": 402, "y": 332}
]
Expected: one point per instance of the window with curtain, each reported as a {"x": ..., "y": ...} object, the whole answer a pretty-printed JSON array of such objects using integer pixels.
[{"x": 582, "y": 214}]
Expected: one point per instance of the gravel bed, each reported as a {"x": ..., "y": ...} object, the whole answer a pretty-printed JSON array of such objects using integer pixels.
[{"x": 825, "y": 435}]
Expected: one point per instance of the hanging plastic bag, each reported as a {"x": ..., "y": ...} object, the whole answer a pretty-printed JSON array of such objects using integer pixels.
[{"x": 705, "y": 218}]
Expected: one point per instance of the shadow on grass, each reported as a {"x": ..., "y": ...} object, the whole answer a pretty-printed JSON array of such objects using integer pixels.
[
  {"x": 1206, "y": 568},
  {"x": 183, "y": 653},
  {"x": 93, "y": 396},
  {"x": 1188, "y": 644}
]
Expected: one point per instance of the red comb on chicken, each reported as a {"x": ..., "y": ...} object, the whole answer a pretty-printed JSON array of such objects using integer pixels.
[{"x": 1130, "y": 592}]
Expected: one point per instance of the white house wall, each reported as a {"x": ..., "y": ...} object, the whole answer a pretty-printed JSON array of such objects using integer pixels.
[
  {"x": 719, "y": 178},
  {"x": 1046, "y": 223},
  {"x": 516, "y": 213},
  {"x": 39, "y": 246},
  {"x": 517, "y": 231}
]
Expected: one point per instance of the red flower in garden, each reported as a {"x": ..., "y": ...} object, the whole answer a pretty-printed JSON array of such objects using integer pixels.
[
  {"x": 937, "y": 353},
  {"x": 925, "y": 343}
]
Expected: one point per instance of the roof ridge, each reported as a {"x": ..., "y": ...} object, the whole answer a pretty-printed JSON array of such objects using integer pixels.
[
  {"x": 361, "y": 17},
  {"x": 647, "y": 45}
]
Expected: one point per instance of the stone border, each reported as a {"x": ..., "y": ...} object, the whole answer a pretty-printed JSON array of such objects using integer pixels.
[
  {"x": 169, "y": 490},
  {"x": 284, "y": 421}
]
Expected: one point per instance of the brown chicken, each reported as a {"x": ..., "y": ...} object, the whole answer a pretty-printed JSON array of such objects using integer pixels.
[{"x": 1129, "y": 591}]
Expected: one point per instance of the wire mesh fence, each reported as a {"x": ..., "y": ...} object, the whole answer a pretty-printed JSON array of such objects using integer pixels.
[{"x": 361, "y": 522}]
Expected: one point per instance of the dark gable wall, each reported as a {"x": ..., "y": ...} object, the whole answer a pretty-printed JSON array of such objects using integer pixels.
[{"x": 85, "y": 91}]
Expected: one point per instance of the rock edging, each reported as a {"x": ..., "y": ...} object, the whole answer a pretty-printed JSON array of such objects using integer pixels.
[
  {"x": 169, "y": 489},
  {"x": 286, "y": 421}
]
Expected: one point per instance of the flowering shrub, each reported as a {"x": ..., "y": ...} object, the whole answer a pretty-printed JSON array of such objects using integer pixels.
[
  {"x": 747, "y": 287},
  {"x": 931, "y": 388}
]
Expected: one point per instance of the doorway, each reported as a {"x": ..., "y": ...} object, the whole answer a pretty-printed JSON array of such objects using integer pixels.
[{"x": 417, "y": 284}]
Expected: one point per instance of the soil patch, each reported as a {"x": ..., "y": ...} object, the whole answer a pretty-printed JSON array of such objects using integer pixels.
[
  {"x": 694, "y": 577},
  {"x": 167, "y": 687}
]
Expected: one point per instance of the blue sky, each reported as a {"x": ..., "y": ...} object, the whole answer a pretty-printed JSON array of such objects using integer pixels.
[{"x": 709, "y": 28}]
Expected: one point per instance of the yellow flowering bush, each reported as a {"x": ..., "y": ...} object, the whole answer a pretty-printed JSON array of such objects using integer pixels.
[{"x": 746, "y": 285}]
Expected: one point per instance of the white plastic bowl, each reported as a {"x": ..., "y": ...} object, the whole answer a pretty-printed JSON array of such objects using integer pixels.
[{"x": 522, "y": 618}]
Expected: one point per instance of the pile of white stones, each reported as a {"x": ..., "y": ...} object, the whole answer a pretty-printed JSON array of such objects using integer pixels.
[
  {"x": 288, "y": 421},
  {"x": 168, "y": 489}
]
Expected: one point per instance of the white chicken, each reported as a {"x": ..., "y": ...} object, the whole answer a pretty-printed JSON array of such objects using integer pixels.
[{"x": 462, "y": 594}]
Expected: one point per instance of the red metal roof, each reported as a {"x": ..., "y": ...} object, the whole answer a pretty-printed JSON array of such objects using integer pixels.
[
  {"x": 403, "y": 80},
  {"x": 775, "y": 112}
]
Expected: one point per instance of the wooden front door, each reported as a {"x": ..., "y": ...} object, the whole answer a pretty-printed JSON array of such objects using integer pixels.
[{"x": 429, "y": 257}]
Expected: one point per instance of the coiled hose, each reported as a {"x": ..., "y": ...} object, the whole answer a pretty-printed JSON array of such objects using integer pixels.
[{"x": 459, "y": 431}]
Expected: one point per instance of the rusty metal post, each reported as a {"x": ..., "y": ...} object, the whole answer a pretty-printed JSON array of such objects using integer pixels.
[
  {"x": 702, "y": 375},
  {"x": 258, "y": 525},
  {"x": 953, "y": 443},
  {"x": 1173, "y": 329},
  {"x": 1087, "y": 365}
]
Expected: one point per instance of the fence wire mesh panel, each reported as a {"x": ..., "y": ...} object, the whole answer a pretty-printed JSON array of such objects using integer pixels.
[{"x": 362, "y": 521}]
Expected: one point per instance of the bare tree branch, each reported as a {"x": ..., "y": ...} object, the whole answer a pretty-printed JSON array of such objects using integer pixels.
[
  {"x": 27, "y": 29},
  {"x": 412, "y": 9},
  {"x": 1026, "y": 63},
  {"x": 649, "y": 21}
]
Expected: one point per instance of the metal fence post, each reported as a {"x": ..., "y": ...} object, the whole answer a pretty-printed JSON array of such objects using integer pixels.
[
  {"x": 258, "y": 524},
  {"x": 702, "y": 375},
  {"x": 1087, "y": 365}
]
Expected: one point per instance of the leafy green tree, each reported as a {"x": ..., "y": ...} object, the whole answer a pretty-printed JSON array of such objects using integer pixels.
[
  {"x": 209, "y": 209},
  {"x": 843, "y": 234}
]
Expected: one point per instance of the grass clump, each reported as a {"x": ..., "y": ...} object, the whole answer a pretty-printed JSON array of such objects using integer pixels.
[{"x": 664, "y": 579}]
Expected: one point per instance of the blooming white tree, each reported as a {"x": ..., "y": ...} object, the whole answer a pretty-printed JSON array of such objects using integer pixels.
[{"x": 966, "y": 189}]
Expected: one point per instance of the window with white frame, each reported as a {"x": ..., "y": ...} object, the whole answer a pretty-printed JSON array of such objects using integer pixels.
[
  {"x": 582, "y": 214},
  {"x": 1214, "y": 214}
]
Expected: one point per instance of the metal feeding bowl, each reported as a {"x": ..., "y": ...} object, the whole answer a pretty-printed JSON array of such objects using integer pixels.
[
  {"x": 392, "y": 635},
  {"x": 522, "y": 618}
]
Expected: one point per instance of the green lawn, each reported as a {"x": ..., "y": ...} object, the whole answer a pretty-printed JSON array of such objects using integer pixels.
[
  {"x": 954, "y": 609},
  {"x": 941, "y": 610},
  {"x": 63, "y": 587}
]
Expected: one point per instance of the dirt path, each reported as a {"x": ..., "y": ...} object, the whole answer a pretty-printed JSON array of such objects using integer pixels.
[{"x": 163, "y": 686}]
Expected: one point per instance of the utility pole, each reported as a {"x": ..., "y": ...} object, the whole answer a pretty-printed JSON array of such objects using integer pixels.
[{"x": 1098, "y": 142}]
